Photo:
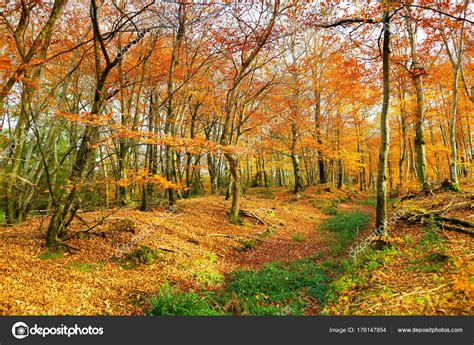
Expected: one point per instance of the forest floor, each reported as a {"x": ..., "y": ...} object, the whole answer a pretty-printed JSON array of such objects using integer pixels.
[
  {"x": 428, "y": 270},
  {"x": 285, "y": 258}
]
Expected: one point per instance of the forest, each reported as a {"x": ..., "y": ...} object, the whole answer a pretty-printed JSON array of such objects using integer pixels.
[{"x": 236, "y": 158}]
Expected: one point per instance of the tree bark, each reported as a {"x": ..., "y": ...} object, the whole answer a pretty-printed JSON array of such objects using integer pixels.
[
  {"x": 417, "y": 72},
  {"x": 381, "y": 210}
]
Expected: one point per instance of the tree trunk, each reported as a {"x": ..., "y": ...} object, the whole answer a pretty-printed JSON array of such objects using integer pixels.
[
  {"x": 322, "y": 172},
  {"x": 169, "y": 125},
  {"x": 295, "y": 159},
  {"x": 417, "y": 72},
  {"x": 226, "y": 138},
  {"x": 452, "y": 127},
  {"x": 235, "y": 185},
  {"x": 436, "y": 154},
  {"x": 381, "y": 210}
]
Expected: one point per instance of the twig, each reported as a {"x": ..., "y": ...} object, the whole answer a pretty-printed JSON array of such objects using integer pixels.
[
  {"x": 423, "y": 291},
  {"x": 100, "y": 222},
  {"x": 221, "y": 235},
  {"x": 167, "y": 249}
]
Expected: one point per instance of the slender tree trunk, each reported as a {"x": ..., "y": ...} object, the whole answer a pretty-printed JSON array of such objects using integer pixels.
[
  {"x": 381, "y": 210},
  {"x": 436, "y": 154},
  {"x": 105, "y": 175},
  {"x": 417, "y": 72},
  {"x": 13, "y": 170},
  {"x": 230, "y": 111},
  {"x": 322, "y": 171},
  {"x": 455, "y": 57},
  {"x": 295, "y": 159},
  {"x": 452, "y": 127},
  {"x": 235, "y": 185},
  {"x": 170, "y": 116},
  {"x": 150, "y": 162}
]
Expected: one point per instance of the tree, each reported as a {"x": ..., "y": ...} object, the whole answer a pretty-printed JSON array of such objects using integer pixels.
[
  {"x": 16, "y": 206},
  {"x": 381, "y": 210},
  {"x": 455, "y": 57},
  {"x": 241, "y": 71},
  {"x": 66, "y": 206},
  {"x": 417, "y": 72}
]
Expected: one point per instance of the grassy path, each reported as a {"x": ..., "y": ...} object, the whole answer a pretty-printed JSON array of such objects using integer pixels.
[{"x": 281, "y": 284}]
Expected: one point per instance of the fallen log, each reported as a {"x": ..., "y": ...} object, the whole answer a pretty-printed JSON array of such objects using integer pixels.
[
  {"x": 259, "y": 219},
  {"x": 452, "y": 207},
  {"x": 448, "y": 223},
  {"x": 457, "y": 221},
  {"x": 456, "y": 228},
  {"x": 251, "y": 215},
  {"x": 265, "y": 232}
]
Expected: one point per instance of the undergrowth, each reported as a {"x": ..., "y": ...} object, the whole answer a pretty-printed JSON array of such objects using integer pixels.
[
  {"x": 50, "y": 254},
  {"x": 275, "y": 289},
  {"x": 171, "y": 301},
  {"x": 84, "y": 267},
  {"x": 344, "y": 226},
  {"x": 143, "y": 255}
]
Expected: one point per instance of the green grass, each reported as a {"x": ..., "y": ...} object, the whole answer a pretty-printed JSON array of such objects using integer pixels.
[
  {"x": 408, "y": 240},
  {"x": 276, "y": 289},
  {"x": 330, "y": 209},
  {"x": 339, "y": 200},
  {"x": 372, "y": 202},
  {"x": 350, "y": 274},
  {"x": 344, "y": 226},
  {"x": 211, "y": 258},
  {"x": 247, "y": 244},
  {"x": 209, "y": 277},
  {"x": 355, "y": 275},
  {"x": 431, "y": 237},
  {"x": 297, "y": 237},
  {"x": 326, "y": 206},
  {"x": 369, "y": 202},
  {"x": 143, "y": 255},
  {"x": 170, "y": 301},
  {"x": 51, "y": 255},
  {"x": 266, "y": 194},
  {"x": 84, "y": 267},
  {"x": 429, "y": 263},
  {"x": 279, "y": 288}
]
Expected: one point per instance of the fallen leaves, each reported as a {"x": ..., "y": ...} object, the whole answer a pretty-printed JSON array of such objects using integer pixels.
[
  {"x": 90, "y": 282},
  {"x": 422, "y": 275}
]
